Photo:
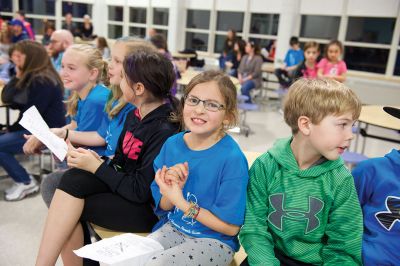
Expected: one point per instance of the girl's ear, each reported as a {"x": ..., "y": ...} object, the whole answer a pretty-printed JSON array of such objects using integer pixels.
[
  {"x": 304, "y": 124},
  {"x": 139, "y": 89},
  {"x": 93, "y": 74}
]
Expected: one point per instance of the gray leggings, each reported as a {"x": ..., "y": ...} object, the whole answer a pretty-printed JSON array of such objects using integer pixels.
[
  {"x": 49, "y": 186},
  {"x": 181, "y": 249}
]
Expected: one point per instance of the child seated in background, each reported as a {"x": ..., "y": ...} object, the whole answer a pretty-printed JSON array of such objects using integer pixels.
[
  {"x": 302, "y": 206},
  {"x": 308, "y": 68},
  {"x": 332, "y": 66},
  {"x": 378, "y": 185},
  {"x": 294, "y": 56}
]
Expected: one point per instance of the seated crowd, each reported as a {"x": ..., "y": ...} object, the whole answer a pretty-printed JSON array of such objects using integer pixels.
[{"x": 139, "y": 159}]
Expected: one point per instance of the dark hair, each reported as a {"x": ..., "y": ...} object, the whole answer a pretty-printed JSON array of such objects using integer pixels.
[
  {"x": 159, "y": 41},
  {"x": 21, "y": 13},
  {"x": 255, "y": 46},
  {"x": 333, "y": 42},
  {"x": 241, "y": 44},
  {"x": 37, "y": 64},
  {"x": 293, "y": 40},
  {"x": 102, "y": 43},
  {"x": 153, "y": 70}
]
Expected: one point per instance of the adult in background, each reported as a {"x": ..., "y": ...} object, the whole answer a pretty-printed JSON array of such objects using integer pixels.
[
  {"x": 86, "y": 31},
  {"x": 20, "y": 15},
  {"x": 69, "y": 25},
  {"x": 60, "y": 40},
  {"x": 18, "y": 30},
  {"x": 249, "y": 71},
  {"x": 36, "y": 84}
]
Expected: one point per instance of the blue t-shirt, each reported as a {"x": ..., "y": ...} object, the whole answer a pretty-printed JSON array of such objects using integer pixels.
[
  {"x": 378, "y": 186},
  {"x": 90, "y": 113},
  {"x": 111, "y": 129},
  {"x": 217, "y": 182},
  {"x": 294, "y": 57}
]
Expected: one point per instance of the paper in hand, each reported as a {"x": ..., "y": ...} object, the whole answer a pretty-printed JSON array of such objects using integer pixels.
[
  {"x": 121, "y": 250},
  {"x": 34, "y": 123}
]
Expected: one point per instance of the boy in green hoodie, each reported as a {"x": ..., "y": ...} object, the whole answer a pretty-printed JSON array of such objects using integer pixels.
[{"x": 302, "y": 206}]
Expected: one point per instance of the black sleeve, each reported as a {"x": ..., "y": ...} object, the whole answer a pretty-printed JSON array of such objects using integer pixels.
[
  {"x": 42, "y": 94},
  {"x": 298, "y": 72},
  {"x": 9, "y": 91},
  {"x": 135, "y": 186}
]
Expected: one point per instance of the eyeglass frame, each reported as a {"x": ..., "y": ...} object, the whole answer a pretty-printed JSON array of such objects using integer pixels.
[{"x": 220, "y": 106}]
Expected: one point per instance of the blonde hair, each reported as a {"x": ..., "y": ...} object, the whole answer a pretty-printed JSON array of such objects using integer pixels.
[
  {"x": 132, "y": 45},
  {"x": 311, "y": 44},
  {"x": 226, "y": 88},
  {"x": 318, "y": 98},
  {"x": 93, "y": 60}
]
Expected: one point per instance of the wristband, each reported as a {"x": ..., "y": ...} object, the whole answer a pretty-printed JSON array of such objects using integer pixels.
[{"x": 66, "y": 135}]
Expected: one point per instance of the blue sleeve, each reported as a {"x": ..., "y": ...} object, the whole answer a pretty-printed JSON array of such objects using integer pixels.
[
  {"x": 159, "y": 162},
  {"x": 230, "y": 203},
  {"x": 4, "y": 73},
  {"x": 362, "y": 181},
  {"x": 286, "y": 60},
  {"x": 102, "y": 131}
]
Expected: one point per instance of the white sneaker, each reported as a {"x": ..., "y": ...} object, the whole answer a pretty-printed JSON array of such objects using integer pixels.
[
  {"x": 15, "y": 186},
  {"x": 11, "y": 189},
  {"x": 21, "y": 190}
]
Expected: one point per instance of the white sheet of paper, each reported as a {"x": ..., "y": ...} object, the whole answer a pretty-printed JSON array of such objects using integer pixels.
[
  {"x": 122, "y": 250},
  {"x": 34, "y": 123}
]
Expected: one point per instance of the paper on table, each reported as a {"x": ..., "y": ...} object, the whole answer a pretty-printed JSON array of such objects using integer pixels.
[
  {"x": 34, "y": 123},
  {"x": 121, "y": 250}
]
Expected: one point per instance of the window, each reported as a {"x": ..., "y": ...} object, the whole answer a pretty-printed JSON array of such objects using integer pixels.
[
  {"x": 46, "y": 7},
  {"x": 163, "y": 32},
  {"x": 219, "y": 43},
  {"x": 114, "y": 31},
  {"x": 230, "y": 20},
  {"x": 115, "y": 13},
  {"x": 397, "y": 64},
  {"x": 137, "y": 15},
  {"x": 366, "y": 59},
  {"x": 196, "y": 41},
  {"x": 137, "y": 32},
  {"x": 38, "y": 25},
  {"x": 264, "y": 24},
  {"x": 311, "y": 27},
  {"x": 160, "y": 16},
  {"x": 370, "y": 30},
  {"x": 6, "y": 6},
  {"x": 78, "y": 10},
  {"x": 198, "y": 19}
]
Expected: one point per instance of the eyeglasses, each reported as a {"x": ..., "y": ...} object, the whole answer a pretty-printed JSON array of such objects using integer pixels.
[{"x": 209, "y": 105}]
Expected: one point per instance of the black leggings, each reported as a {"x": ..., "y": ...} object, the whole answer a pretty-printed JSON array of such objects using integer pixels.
[{"x": 105, "y": 208}]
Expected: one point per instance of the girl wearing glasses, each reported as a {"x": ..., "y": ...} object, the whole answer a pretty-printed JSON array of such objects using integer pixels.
[{"x": 201, "y": 179}]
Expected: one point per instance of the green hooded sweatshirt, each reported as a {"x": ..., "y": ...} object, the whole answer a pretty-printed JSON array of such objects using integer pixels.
[{"x": 310, "y": 215}]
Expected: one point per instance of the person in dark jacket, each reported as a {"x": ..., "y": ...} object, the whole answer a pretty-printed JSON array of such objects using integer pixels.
[
  {"x": 115, "y": 193},
  {"x": 36, "y": 84}
]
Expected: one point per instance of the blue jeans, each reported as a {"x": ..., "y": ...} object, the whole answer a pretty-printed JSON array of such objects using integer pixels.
[
  {"x": 246, "y": 88},
  {"x": 11, "y": 143}
]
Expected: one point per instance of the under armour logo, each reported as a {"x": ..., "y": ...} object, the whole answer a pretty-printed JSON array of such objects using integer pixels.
[
  {"x": 315, "y": 205},
  {"x": 388, "y": 218}
]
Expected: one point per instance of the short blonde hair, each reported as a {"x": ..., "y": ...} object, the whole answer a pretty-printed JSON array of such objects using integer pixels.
[{"x": 318, "y": 98}]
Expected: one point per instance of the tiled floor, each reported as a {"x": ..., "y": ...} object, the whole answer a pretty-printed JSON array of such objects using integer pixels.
[{"x": 21, "y": 222}]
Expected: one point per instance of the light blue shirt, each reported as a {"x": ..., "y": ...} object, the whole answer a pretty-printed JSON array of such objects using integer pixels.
[{"x": 217, "y": 182}]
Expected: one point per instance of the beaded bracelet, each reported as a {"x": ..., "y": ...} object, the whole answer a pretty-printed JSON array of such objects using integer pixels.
[{"x": 193, "y": 211}]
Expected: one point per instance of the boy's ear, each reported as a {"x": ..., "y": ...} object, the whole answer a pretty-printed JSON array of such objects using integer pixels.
[{"x": 304, "y": 124}]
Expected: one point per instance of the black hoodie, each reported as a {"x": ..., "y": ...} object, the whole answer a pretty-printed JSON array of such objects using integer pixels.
[{"x": 130, "y": 173}]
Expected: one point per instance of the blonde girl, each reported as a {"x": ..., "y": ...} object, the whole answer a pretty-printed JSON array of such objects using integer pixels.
[
  {"x": 200, "y": 184},
  {"x": 115, "y": 193}
]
